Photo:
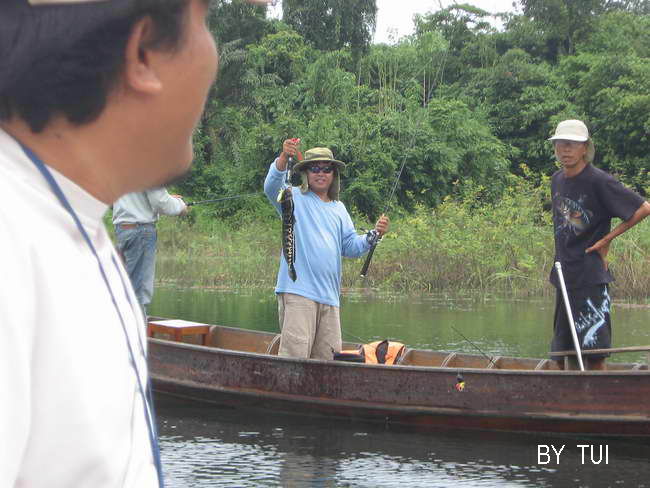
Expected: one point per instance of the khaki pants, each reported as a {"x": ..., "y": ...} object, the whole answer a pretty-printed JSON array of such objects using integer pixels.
[{"x": 308, "y": 329}]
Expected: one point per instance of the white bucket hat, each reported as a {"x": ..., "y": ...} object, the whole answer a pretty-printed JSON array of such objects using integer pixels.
[{"x": 575, "y": 130}]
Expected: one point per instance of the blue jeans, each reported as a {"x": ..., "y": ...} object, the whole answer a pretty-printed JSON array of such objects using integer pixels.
[{"x": 137, "y": 246}]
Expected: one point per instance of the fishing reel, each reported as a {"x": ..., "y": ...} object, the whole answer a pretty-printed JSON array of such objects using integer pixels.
[{"x": 373, "y": 238}]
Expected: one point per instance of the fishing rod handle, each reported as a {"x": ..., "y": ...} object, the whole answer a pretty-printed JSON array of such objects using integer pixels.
[
  {"x": 366, "y": 264},
  {"x": 373, "y": 238}
]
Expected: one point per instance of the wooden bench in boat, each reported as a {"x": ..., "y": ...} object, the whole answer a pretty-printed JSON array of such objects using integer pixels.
[{"x": 178, "y": 329}]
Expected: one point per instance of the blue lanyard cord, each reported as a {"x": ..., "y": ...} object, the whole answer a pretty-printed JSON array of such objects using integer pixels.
[{"x": 146, "y": 397}]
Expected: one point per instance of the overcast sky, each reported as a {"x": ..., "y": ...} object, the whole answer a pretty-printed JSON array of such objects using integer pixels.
[{"x": 395, "y": 17}]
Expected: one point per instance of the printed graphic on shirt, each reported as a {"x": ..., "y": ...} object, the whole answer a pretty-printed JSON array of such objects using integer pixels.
[
  {"x": 591, "y": 319},
  {"x": 573, "y": 217}
]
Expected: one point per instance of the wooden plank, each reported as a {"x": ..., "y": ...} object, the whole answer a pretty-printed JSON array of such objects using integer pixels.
[
  {"x": 448, "y": 359},
  {"x": 603, "y": 351},
  {"x": 179, "y": 328}
]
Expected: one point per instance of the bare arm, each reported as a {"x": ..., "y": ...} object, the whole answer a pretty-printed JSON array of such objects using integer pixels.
[
  {"x": 602, "y": 246},
  {"x": 289, "y": 148}
]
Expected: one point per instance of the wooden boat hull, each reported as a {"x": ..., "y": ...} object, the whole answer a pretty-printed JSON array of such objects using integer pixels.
[{"x": 613, "y": 403}]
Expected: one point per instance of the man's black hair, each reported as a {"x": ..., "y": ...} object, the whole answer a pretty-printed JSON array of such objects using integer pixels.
[{"x": 64, "y": 59}]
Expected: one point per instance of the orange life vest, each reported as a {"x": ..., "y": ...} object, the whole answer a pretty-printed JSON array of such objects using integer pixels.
[{"x": 379, "y": 352}]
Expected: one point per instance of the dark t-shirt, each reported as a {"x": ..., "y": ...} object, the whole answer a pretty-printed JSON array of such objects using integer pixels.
[{"x": 583, "y": 208}]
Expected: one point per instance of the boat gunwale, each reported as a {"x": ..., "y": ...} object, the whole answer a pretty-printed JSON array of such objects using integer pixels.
[{"x": 398, "y": 367}]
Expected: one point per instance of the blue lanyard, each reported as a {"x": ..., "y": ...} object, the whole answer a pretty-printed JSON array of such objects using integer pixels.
[{"x": 146, "y": 396}]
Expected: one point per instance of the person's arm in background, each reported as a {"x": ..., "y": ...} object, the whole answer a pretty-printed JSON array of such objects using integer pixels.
[
  {"x": 164, "y": 203},
  {"x": 623, "y": 203},
  {"x": 602, "y": 246}
]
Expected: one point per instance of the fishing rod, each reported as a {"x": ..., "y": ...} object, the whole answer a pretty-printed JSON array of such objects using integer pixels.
[
  {"x": 243, "y": 195},
  {"x": 477, "y": 348},
  {"x": 375, "y": 236}
]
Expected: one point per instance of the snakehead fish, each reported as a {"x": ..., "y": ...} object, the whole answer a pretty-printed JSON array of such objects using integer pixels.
[{"x": 285, "y": 198}]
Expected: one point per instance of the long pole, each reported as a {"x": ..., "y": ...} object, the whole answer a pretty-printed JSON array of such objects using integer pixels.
[{"x": 565, "y": 296}]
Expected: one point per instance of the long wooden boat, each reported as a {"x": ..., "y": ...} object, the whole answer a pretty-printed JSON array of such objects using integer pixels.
[{"x": 235, "y": 367}]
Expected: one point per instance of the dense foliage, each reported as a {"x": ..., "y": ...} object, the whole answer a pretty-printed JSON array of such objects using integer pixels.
[
  {"x": 464, "y": 104},
  {"x": 463, "y": 244}
]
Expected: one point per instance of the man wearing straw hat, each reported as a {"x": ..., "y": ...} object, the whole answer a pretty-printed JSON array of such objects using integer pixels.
[
  {"x": 585, "y": 199},
  {"x": 308, "y": 307},
  {"x": 98, "y": 98}
]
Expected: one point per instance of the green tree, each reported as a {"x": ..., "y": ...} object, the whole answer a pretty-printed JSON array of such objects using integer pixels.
[
  {"x": 333, "y": 24},
  {"x": 565, "y": 23},
  {"x": 614, "y": 91},
  {"x": 459, "y": 102},
  {"x": 520, "y": 97},
  {"x": 468, "y": 35}
]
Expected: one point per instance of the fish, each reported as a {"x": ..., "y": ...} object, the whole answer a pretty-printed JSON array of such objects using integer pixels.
[
  {"x": 285, "y": 198},
  {"x": 573, "y": 214},
  {"x": 288, "y": 236}
]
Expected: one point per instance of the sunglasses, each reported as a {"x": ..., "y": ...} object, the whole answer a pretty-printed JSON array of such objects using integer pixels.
[{"x": 318, "y": 169}]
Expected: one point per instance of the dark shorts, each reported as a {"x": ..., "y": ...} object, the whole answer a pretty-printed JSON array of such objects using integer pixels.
[{"x": 591, "y": 314}]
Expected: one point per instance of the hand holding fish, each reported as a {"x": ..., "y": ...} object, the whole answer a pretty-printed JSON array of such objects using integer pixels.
[
  {"x": 289, "y": 149},
  {"x": 602, "y": 248},
  {"x": 382, "y": 225},
  {"x": 285, "y": 198}
]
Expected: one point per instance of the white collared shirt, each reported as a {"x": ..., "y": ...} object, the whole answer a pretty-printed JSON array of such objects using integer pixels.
[
  {"x": 71, "y": 412},
  {"x": 144, "y": 207}
]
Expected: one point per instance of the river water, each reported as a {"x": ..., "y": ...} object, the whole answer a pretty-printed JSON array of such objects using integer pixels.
[{"x": 215, "y": 447}]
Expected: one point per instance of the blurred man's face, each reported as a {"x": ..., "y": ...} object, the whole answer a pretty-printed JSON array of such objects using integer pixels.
[{"x": 187, "y": 75}]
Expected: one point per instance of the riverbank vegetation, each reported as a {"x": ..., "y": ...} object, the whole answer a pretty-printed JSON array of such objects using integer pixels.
[
  {"x": 505, "y": 247},
  {"x": 468, "y": 108}
]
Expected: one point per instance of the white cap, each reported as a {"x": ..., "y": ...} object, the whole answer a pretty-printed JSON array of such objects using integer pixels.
[
  {"x": 575, "y": 130},
  {"x": 571, "y": 130}
]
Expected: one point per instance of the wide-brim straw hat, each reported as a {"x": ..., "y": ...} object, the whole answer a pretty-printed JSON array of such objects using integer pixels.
[
  {"x": 320, "y": 155},
  {"x": 316, "y": 155},
  {"x": 575, "y": 130}
]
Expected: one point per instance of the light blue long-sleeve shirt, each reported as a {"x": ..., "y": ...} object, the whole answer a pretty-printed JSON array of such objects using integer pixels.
[{"x": 324, "y": 232}]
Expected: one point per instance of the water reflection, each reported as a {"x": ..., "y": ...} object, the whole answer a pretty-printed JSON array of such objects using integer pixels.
[
  {"x": 496, "y": 326},
  {"x": 207, "y": 447}
]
